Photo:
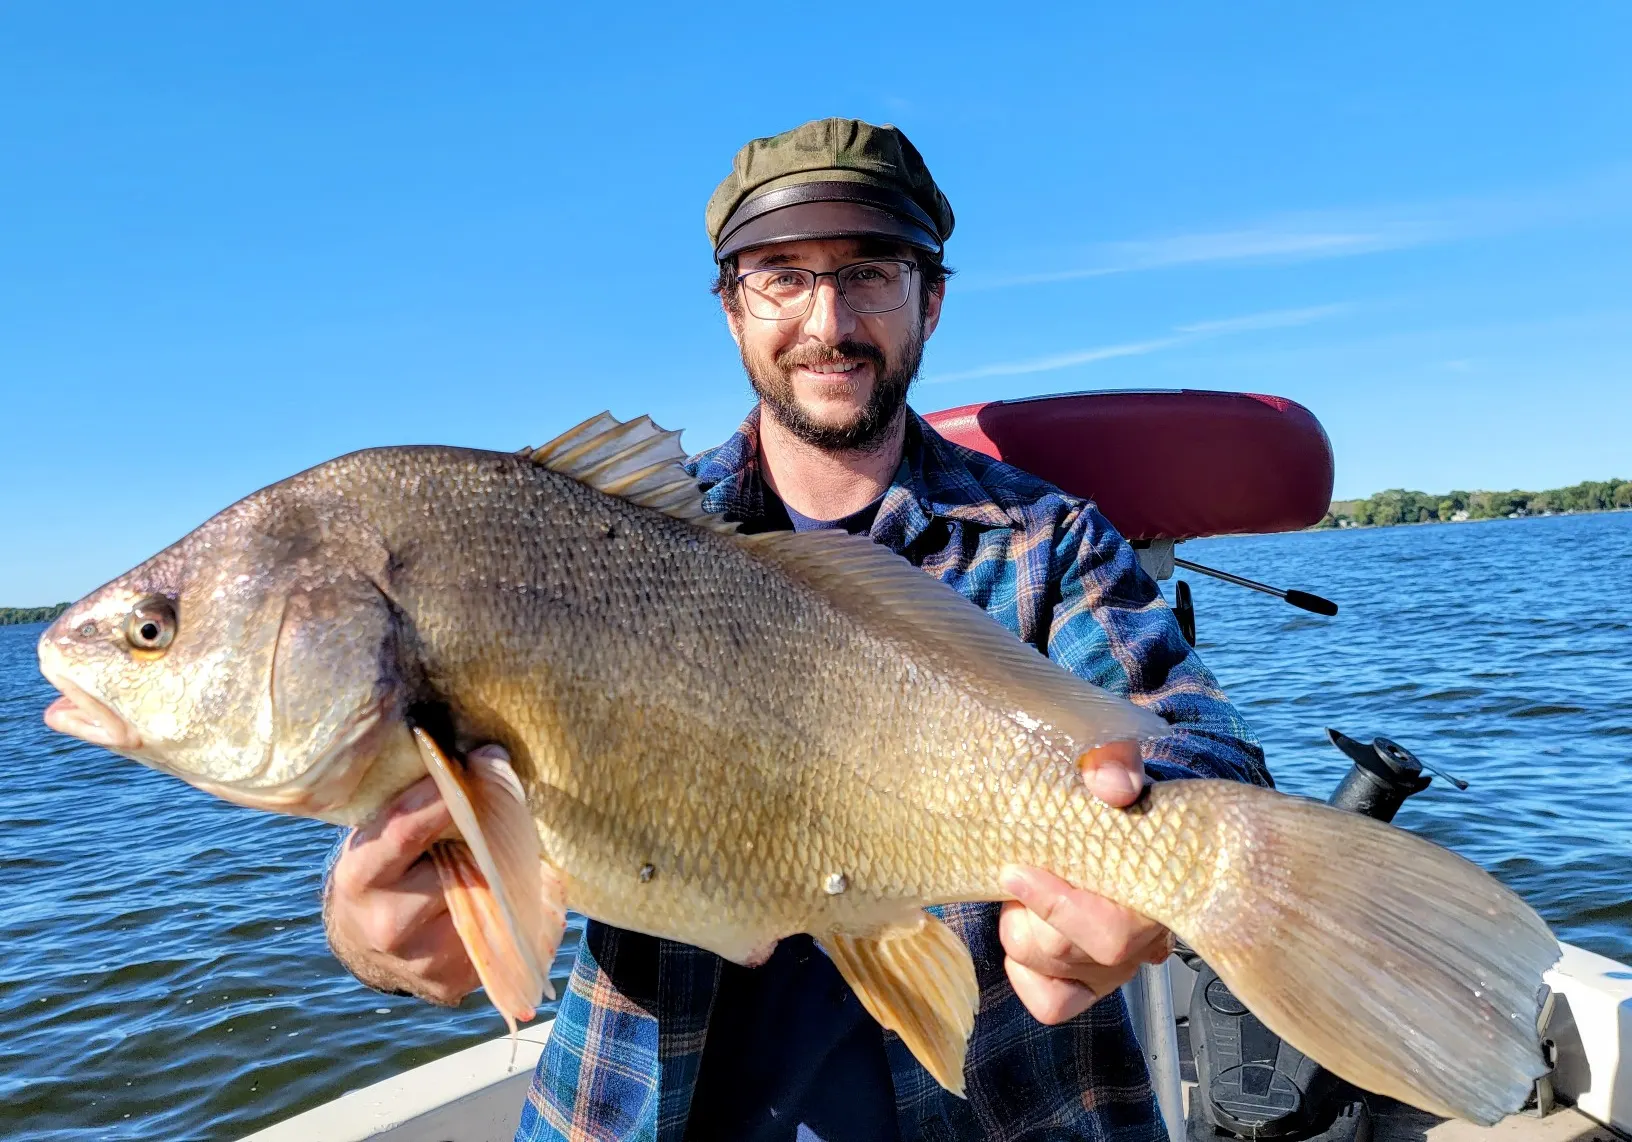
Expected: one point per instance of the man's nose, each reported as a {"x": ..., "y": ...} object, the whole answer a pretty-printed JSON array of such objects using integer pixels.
[{"x": 830, "y": 318}]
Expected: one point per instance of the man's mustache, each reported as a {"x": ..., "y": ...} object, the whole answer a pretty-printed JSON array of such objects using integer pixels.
[{"x": 819, "y": 354}]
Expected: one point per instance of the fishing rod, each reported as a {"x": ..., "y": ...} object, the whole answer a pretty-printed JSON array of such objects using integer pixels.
[{"x": 1301, "y": 599}]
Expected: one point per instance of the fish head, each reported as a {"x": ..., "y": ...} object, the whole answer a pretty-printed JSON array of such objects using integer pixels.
[{"x": 253, "y": 658}]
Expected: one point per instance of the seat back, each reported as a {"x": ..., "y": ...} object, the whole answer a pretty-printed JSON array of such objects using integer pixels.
[{"x": 1174, "y": 464}]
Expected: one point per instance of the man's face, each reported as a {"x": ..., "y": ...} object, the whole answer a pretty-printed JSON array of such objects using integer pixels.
[{"x": 835, "y": 378}]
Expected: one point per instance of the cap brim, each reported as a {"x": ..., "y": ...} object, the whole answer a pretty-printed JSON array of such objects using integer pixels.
[{"x": 808, "y": 221}]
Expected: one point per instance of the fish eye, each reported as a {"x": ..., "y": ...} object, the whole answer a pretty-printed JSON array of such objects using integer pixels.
[{"x": 151, "y": 624}]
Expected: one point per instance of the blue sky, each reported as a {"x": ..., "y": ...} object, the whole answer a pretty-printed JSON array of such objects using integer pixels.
[{"x": 238, "y": 240}]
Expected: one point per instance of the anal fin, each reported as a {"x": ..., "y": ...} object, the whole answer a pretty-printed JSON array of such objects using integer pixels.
[
  {"x": 507, "y": 904},
  {"x": 917, "y": 980}
]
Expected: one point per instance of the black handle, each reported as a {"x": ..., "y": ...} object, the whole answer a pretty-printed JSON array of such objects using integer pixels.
[{"x": 1309, "y": 602}]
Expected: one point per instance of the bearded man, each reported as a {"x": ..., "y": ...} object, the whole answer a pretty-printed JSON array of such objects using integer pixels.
[{"x": 829, "y": 242}]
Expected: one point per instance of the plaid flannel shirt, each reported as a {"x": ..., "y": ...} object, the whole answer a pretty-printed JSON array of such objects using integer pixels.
[{"x": 625, "y": 1052}]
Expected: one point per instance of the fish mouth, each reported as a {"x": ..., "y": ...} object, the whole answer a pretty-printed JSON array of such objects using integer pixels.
[
  {"x": 79, "y": 715},
  {"x": 326, "y": 785}
]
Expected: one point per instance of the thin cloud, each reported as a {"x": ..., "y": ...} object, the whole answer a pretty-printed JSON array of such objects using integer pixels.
[
  {"x": 1291, "y": 240},
  {"x": 1317, "y": 235},
  {"x": 1235, "y": 246},
  {"x": 1062, "y": 361},
  {"x": 1250, "y": 245},
  {"x": 1182, "y": 335}
]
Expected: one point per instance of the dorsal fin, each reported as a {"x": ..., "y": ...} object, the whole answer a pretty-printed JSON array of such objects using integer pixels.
[
  {"x": 634, "y": 460},
  {"x": 894, "y": 599}
]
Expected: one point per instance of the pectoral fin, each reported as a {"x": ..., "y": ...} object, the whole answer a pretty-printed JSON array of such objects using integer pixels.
[
  {"x": 507, "y": 904},
  {"x": 918, "y": 981}
]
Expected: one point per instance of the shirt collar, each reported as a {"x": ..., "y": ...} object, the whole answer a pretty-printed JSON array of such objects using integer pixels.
[
  {"x": 939, "y": 471},
  {"x": 932, "y": 481},
  {"x": 729, "y": 475}
]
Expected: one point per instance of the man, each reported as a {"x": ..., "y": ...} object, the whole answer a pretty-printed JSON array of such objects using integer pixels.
[{"x": 829, "y": 242}]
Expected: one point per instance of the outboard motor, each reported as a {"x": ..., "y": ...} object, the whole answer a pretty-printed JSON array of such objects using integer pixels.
[{"x": 1250, "y": 1084}]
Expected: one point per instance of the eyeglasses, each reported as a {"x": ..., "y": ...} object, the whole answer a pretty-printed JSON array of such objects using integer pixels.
[{"x": 785, "y": 292}]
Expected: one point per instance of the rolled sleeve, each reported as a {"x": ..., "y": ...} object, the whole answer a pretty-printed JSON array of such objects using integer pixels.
[{"x": 1111, "y": 627}]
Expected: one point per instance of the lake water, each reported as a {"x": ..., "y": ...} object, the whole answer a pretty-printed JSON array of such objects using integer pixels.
[{"x": 164, "y": 973}]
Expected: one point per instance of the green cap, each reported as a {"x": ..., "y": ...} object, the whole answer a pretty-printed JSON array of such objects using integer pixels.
[{"x": 830, "y": 178}]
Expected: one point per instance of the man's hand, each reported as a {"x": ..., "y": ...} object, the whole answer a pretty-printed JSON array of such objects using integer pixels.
[
  {"x": 386, "y": 917},
  {"x": 1066, "y": 948}
]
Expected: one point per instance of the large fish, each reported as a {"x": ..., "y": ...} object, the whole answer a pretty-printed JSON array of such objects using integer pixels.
[{"x": 726, "y": 739}]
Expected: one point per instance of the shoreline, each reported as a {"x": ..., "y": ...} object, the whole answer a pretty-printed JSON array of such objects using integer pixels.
[
  {"x": 1350, "y": 525},
  {"x": 22, "y": 616},
  {"x": 1395, "y": 506}
]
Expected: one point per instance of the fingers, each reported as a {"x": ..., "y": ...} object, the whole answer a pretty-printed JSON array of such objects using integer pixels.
[
  {"x": 425, "y": 959},
  {"x": 1116, "y": 952},
  {"x": 1066, "y": 947},
  {"x": 382, "y": 851},
  {"x": 1049, "y": 1000},
  {"x": 386, "y": 914},
  {"x": 1105, "y": 932},
  {"x": 1028, "y": 938},
  {"x": 388, "y": 920},
  {"x": 401, "y": 937},
  {"x": 1115, "y": 773}
]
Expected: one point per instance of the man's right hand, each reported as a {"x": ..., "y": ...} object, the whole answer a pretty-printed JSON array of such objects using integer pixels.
[{"x": 385, "y": 914}]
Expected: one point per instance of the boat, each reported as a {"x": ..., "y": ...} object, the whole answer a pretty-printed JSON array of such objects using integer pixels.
[{"x": 1164, "y": 467}]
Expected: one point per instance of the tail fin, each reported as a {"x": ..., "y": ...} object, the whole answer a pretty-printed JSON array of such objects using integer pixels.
[{"x": 1392, "y": 962}]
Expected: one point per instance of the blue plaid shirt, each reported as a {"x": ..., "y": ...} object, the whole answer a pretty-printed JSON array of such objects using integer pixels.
[{"x": 624, "y": 1055}]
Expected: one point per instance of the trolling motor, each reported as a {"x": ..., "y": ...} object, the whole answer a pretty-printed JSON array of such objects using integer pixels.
[{"x": 1250, "y": 1084}]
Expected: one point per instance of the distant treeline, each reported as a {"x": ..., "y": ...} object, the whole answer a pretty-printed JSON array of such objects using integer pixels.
[
  {"x": 1398, "y": 505},
  {"x": 12, "y": 615}
]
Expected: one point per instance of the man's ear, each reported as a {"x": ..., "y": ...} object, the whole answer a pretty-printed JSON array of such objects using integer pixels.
[{"x": 932, "y": 311}]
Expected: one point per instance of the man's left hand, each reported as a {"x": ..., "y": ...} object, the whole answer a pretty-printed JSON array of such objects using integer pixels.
[{"x": 1067, "y": 948}]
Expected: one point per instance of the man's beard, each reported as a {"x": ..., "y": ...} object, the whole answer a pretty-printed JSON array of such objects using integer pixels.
[{"x": 774, "y": 386}]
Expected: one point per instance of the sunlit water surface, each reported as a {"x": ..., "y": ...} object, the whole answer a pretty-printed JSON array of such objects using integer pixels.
[{"x": 165, "y": 976}]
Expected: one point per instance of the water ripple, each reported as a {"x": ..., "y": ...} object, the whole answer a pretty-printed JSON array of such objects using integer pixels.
[{"x": 1490, "y": 649}]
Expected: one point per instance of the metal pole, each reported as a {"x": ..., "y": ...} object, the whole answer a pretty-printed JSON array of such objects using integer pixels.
[
  {"x": 1301, "y": 599},
  {"x": 1251, "y": 584},
  {"x": 1161, "y": 1046}
]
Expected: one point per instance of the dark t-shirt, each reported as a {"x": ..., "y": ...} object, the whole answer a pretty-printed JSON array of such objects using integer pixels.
[
  {"x": 792, "y": 1056},
  {"x": 856, "y": 523}
]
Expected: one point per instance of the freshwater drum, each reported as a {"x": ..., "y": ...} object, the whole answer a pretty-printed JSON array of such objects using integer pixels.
[{"x": 870, "y": 743}]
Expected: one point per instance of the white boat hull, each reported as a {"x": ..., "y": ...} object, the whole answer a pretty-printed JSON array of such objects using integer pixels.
[{"x": 474, "y": 1095}]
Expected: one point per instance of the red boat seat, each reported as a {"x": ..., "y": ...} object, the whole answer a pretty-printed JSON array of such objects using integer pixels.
[{"x": 1175, "y": 464}]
